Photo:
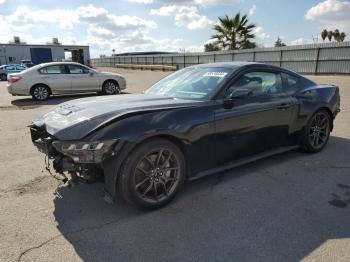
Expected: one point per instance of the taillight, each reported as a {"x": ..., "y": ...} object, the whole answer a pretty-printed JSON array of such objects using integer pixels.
[{"x": 14, "y": 79}]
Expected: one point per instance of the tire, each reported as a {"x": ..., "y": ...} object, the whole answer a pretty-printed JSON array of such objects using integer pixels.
[
  {"x": 316, "y": 133},
  {"x": 153, "y": 174},
  {"x": 3, "y": 77},
  {"x": 40, "y": 92},
  {"x": 110, "y": 88}
]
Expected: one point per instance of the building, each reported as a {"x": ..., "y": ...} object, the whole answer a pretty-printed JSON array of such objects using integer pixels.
[{"x": 14, "y": 53}]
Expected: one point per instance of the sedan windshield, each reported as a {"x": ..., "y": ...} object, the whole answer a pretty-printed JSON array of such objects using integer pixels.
[{"x": 192, "y": 83}]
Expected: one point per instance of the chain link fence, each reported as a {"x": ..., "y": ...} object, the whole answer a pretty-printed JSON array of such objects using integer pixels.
[{"x": 325, "y": 58}]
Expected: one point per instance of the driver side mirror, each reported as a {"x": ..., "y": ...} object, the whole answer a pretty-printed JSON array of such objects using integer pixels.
[{"x": 91, "y": 72}]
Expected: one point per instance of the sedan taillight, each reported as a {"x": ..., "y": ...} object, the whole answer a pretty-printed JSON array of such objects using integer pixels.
[{"x": 14, "y": 79}]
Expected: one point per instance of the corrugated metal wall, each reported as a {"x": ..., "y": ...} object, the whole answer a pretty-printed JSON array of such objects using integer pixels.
[{"x": 325, "y": 58}]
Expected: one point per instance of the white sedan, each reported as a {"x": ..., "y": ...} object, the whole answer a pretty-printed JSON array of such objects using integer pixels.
[{"x": 47, "y": 79}]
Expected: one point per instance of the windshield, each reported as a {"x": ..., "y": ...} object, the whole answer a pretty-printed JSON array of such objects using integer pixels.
[{"x": 192, "y": 83}]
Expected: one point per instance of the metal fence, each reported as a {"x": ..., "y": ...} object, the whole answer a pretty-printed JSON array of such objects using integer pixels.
[{"x": 325, "y": 58}]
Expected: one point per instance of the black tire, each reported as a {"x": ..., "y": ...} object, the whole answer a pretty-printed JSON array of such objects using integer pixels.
[
  {"x": 110, "y": 87},
  {"x": 40, "y": 92},
  {"x": 153, "y": 174},
  {"x": 315, "y": 134},
  {"x": 3, "y": 77}
]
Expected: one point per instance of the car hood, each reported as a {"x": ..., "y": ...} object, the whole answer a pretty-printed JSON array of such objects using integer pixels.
[
  {"x": 110, "y": 74},
  {"x": 76, "y": 119}
]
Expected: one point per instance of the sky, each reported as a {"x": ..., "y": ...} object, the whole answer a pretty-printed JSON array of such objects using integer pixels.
[{"x": 165, "y": 25}]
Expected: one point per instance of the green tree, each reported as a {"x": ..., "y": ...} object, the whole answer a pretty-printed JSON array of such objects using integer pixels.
[
  {"x": 279, "y": 42},
  {"x": 248, "y": 44},
  {"x": 211, "y": 47},
  {"x": 336, "y": 35},
  {"x": 330, "y": 35},
  {"x": 342, "y": 37},
  {"x": 234, "y": 33},
  {"x": 324, "y": 34}
]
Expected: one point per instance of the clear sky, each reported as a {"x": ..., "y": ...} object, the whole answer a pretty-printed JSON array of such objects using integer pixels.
[{"x": 164, "y": 25}]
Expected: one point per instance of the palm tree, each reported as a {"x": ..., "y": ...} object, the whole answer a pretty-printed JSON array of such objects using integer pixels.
[
  {"x": 324, "y": 34},
  {"x": 234, "y": 32},
  {"x": 330, "y": 35},
  {"x": 342, "y": 37},
  {"x": 336, "y": 35}
]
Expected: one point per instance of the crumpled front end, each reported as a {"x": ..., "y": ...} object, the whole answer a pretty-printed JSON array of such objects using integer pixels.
[{"x": 82, "y": 159}]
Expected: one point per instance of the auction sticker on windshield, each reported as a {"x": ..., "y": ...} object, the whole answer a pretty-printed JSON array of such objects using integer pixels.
[{"x": 215, "y": 74}]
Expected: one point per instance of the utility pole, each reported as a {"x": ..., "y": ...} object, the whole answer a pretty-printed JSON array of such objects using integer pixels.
[
  {"x": 183, "y": 50},
  {"x": 113, "y": 50}
]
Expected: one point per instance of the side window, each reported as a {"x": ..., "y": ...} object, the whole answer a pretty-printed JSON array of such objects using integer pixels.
[
  {"x": 292, "y": 82},
  {"x": 74, "y": 69},
  {"x": 259, "y": 82},
  {"x": 9, "y": 68},
  {"x": 20, "y": 68},
  {"x": 56, "y": 69}
]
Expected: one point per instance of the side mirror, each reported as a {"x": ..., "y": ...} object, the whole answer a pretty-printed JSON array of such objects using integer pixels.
[
  {"x": 91, "y": 72},
  {"x": 236, "y": 94}
]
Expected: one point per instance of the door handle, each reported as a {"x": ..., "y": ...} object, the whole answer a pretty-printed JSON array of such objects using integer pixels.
[{"x": 283, "y": 106}]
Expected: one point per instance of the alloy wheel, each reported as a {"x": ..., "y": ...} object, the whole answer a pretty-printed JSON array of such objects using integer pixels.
[
  {"x": 110, "y": 88},
  {"x": 156, "y": 176},
  {"x": 40, "y": 93},
  {"x": 319, "y": 130}
]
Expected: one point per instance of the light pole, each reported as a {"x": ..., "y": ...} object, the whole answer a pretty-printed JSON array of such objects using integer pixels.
[
  {"x": 113, "y": 50},
  {"x": 183, "y": 50}
]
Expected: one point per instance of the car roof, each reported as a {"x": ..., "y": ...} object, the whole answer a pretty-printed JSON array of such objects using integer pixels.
[
  {"x": 238, "y": 64},
  {"x": 244, "y": 64},
  {"x": 59, "y": 63}
]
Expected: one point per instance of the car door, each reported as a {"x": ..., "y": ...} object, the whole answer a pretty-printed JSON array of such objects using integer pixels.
[
  {"x": 57, "y": 78},
  {"x": 82, "y": 79},
  {"x": 256, "y": 122}
]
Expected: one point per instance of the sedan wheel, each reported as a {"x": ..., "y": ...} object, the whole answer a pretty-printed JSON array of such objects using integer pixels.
[
  {"x": 317, "y": 132},
  {"x": 3, "y": 77},
  {"x": 40, "y": 93},
  {"x": 153, "y": 177},
  {"x": 110, "y": 88}
]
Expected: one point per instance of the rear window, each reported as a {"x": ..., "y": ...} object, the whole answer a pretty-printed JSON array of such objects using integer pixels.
[
  {"x": 55, "y": 69},
  {"x": 292, "y": 82},
  {"x": 74, "y": 69}
]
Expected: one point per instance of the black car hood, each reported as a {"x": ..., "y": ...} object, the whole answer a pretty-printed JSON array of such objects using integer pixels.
[{"x": 75, "y": 119}]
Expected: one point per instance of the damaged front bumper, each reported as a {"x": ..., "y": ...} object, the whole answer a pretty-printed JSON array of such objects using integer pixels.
[{"x": 75, "y": 157}]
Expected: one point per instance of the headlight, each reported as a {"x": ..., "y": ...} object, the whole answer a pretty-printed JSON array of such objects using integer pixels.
[{"x": 86, "y": 152}]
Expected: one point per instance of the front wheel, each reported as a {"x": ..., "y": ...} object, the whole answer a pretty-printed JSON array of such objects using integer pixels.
[
  {"x": 110, "y": 88},
  {"x": 153, "y": 174},
  {"x": 316, "y": 134},
  {"x": 40, "y": 92}
]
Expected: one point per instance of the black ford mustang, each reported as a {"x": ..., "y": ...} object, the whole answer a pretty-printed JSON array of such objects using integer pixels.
[{"x": 197, "y": 121}]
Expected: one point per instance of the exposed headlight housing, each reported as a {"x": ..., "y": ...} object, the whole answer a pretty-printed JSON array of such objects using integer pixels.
[{"x": 86, "y": 152}]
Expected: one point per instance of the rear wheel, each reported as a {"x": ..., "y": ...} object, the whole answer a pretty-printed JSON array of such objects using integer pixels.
[
  {"x": 110, "y": 88},
  {"x": 40, "y": 92},
  {"x": 3, "y": 77},
  {"x": 316, "y": 134},
  {"x": 153, "y": 174}
]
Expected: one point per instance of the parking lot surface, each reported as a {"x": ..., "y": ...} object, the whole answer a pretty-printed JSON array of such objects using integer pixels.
[{"x": 290, "y": 207}]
